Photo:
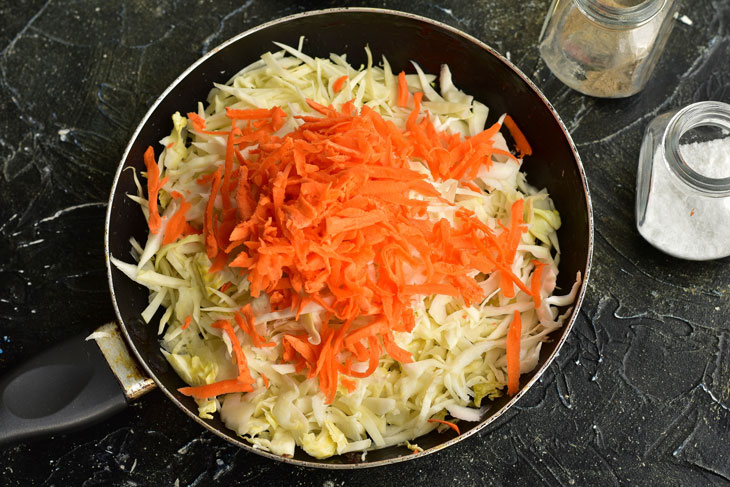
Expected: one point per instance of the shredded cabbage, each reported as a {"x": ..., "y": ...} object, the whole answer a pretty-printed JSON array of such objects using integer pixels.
[{"x": 459, "y": 358}]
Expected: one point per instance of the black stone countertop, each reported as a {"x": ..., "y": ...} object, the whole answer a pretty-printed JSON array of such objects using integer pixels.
[{"x": 639, "y": 395}]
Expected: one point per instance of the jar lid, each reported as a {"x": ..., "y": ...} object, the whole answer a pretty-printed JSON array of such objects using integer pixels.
[
  {"x": 621, "y": 13},
  {"x": 695, "y": 144}
]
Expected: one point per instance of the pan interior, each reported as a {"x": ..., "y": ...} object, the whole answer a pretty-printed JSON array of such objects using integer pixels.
[{"x": 402, "y": 38}]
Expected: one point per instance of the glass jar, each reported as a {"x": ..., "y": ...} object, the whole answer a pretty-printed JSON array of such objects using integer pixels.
[
  {"x": 683, "y": 182},
  {"x": 605, "y": 48}
]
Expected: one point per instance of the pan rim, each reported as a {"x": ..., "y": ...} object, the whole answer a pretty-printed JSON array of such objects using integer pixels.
[{"x": 479, "y": 427}]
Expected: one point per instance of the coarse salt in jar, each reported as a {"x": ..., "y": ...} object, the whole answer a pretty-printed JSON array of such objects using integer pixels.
[
  {"x": 605, "y": 48},
  {"x": 683, "y": 182}
]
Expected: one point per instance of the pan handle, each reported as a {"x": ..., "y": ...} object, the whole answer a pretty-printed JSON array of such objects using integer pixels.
[
  {"x": 62, "y": 389},
  {"x": 75, "y": 384}
]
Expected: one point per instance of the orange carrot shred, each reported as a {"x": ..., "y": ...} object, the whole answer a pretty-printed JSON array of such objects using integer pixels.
[
  {"x": 187, "y": 322},
  {"x": 451, "y": 425},
  {"x": 197, "y": 120},
  {"x": 199, "y": 124},
  {"x": 339, "y": 83},
  {"x": 176, "y": 225},
  {"x": 402, "y": 90},
  {"x": 216, "y": 389},
  {"x": 228, "y": 168},
  {"x": 523, "y": 146},
  {"x": 211, "y": 245},
  {"x": 266, "y": 380},
  {"x": 219, "y": 262},
  {"x": 243, "y": 372},
  {"x": 472, "y": 186},
  {"x": 514, "y": 336},
  {"x": 349, "y": 384},
  {"x": 245, "y": 320},
  {"x": 410, "y": 123},
  {"x": 536, "y": 282},
  {"x": 242, "y": 383},
  {"x": 153, "y": 186}
]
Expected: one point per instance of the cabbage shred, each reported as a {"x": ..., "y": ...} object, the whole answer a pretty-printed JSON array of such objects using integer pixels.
[{"x": 459, "y": 358}]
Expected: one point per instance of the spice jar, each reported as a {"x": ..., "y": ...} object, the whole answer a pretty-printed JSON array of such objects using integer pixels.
[
  {"x": 605, "y": 48},
  {"x": 683, "y": 182}
]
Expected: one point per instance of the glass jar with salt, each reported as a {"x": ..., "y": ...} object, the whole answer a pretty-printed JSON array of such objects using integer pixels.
[
  {"x": 605, "y": 48},
  {"x": 683, "y": 182}
]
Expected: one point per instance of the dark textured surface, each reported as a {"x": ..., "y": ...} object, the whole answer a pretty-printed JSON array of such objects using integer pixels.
[{"x": 640, "y": 394}]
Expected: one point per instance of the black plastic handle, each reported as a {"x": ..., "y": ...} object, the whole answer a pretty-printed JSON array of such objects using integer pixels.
[{"x": 65, "y": 388}]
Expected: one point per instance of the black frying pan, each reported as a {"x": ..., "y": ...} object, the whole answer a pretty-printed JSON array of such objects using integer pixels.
[{"x": 89, "y": 391}]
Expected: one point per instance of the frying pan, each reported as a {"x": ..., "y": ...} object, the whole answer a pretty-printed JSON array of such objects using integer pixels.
[{"x": 72, "y": 385}]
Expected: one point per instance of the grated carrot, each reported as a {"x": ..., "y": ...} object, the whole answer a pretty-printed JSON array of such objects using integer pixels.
[
  {"x": 211, "y": 245},
  {"x": 199, "y": 124},
  {"x": 402, "y": 90},
  {"x": 514, "y": 336},
  {"x": 339, "y": 83},
  {"x": 216, "y": 389},
  {"x": 451, "y": 425},
  {"x": 349, "y": 384},
  {"x": 153, "y": 187},
  {"x": 326, "y": 214},
  {"x": 242, "y": 383},
  {"x": 536, "y": 282},
  {"x": 197, "y": 121},
  {"x": 245, "y": 320},
  {"x": 523, "y": 146},
  {"x": 243, "y": 372},
  {"x": 176, "y": 226}
]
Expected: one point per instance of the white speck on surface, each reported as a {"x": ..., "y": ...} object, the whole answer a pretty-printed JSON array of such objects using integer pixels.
[
  {"x": 13, "y": 217},
  {"x": 684, "y": 19},
  {"x": 28, "y": 244},
  {"x": 63, "y": 134},
  {"x": 71, "y": 208}
]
